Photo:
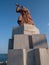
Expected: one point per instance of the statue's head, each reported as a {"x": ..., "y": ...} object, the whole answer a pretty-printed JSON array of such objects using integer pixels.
[{"x": 23, "y": 8}]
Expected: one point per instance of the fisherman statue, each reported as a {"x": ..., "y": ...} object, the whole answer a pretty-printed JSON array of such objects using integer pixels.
[{"x": 25, "y": 16}]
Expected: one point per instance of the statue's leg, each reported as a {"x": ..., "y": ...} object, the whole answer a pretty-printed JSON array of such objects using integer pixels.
[{"x": 20, "y": 19}]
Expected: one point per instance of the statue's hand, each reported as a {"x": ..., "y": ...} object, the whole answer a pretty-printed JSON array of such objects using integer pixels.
[{"x": 17, "y": 5}]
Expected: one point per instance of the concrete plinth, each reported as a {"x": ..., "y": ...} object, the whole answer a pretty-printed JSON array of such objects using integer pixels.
[
  {"x": 25, "y": 29},
  {"x": 44, "y": 56},
  {"x": 20, "y": 42},
  {"x": 28, "y": 41},
  {"x": 38, "y": 56},
  {"x": 10, "y": 45},
  {"x": 17, "y": 57},
  {"x": 39, "y": 41},
  {"x": 28, "y": 47}
]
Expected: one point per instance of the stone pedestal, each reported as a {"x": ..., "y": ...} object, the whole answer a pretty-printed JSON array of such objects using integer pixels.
[
  {"x": 17, "y": 57},
  {"x": 27, "y": 46},
  {"x": 38, "y": 56},
  {"x": 25, "y": 29},
  {"x": 28, "y": 41},
  {"x": 39, "y": 41}
]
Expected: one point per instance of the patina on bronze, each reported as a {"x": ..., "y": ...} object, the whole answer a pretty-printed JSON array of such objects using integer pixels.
[{"x": 25, "y": 16}]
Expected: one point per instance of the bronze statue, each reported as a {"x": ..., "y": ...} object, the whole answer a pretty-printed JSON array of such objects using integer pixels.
[{"x": 25, "y": 16}]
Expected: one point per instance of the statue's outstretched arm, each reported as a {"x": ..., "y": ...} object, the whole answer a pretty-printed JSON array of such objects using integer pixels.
[
  {"x": 17, "y": 8},
  {"x": 17, "y": 5}
]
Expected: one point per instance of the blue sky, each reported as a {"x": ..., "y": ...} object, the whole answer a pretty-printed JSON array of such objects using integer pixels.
[{"x": 39, "y": 10}]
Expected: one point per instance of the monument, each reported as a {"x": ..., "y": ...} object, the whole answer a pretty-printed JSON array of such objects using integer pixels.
[
  {"x": 25, "y": 16},
  {"x": 27, "y": 46}
]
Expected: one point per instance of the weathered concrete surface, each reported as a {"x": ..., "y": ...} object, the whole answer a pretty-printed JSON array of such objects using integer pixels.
[
  {"x": 21, "y": 41},
  {"x": 10, "y": 45},
  {"x": 28, "y": 41},
  {"x": 33, "y": 57},
  {"x": 39, "y": 56},
  {"x": 17, "y": 57},
  {"x": 39, "y": 41},
  {"x": 44, "y": 56},
  {"x": 25, "y": 29}
]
